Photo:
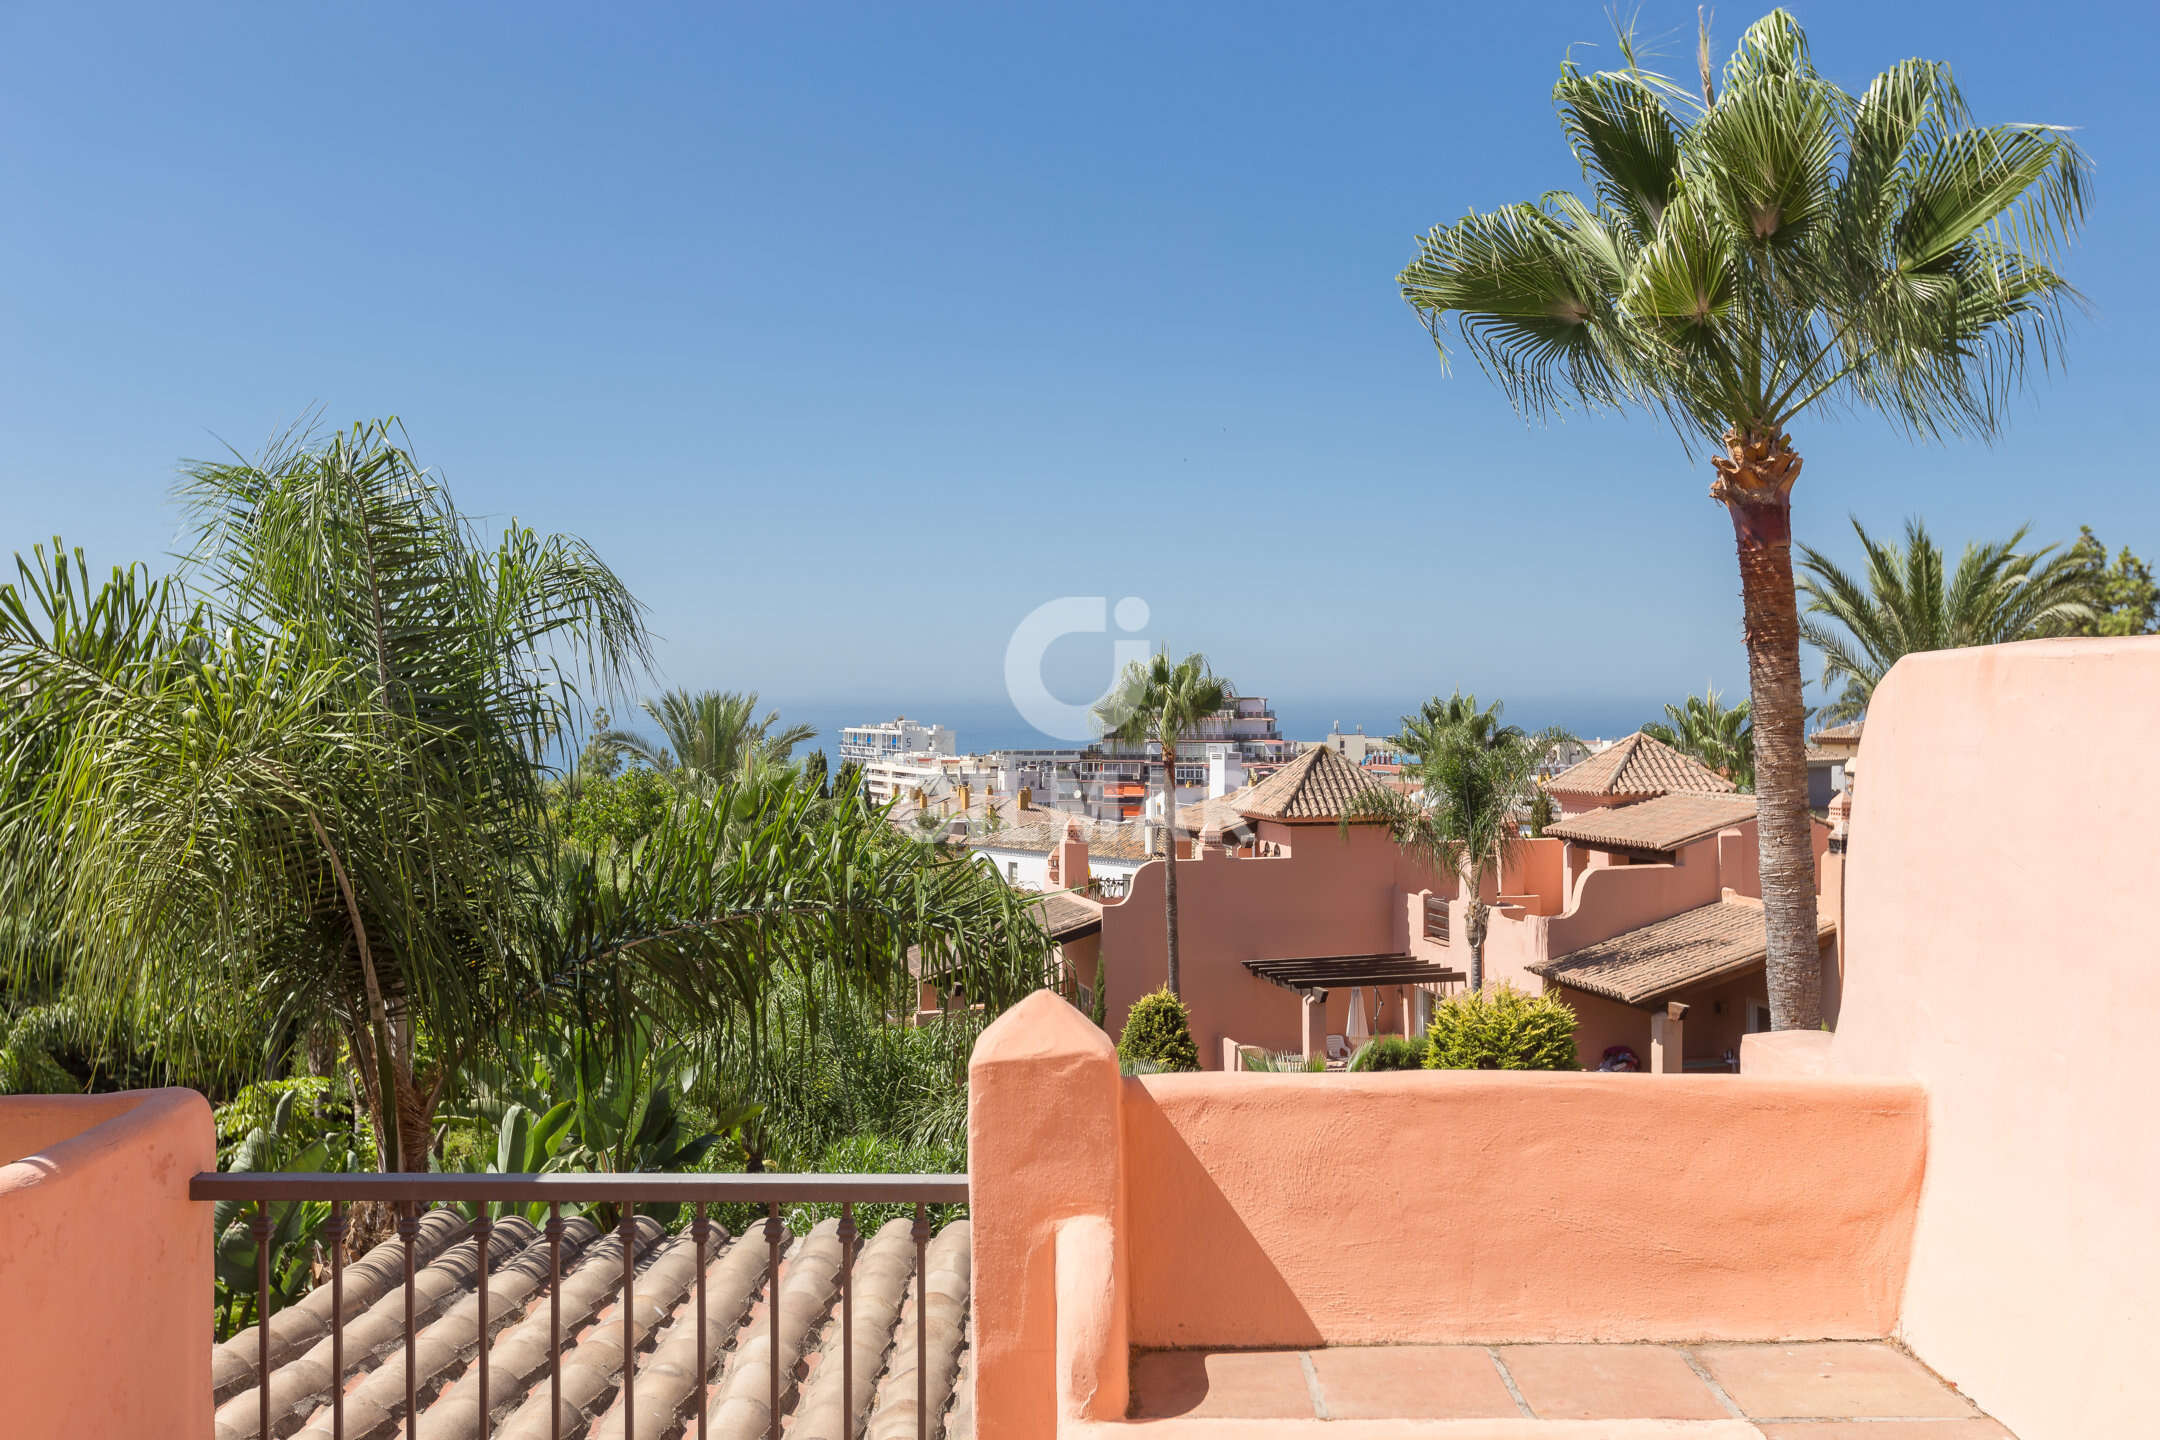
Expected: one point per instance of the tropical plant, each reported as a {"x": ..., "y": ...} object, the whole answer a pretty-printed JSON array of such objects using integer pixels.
[
  {"x": 307, "y": 782},
  {"x": 1159, "y": 699},
  {"x": 1543, "y": 810},
  {"x": 1910, "y": 601},
  {"x": 1464, "y": 817},
  {"x": 302, "y": 1132},
  {"x": 1389, "y": 1052},
  {"x": 817, "y": 769},
  {"x": 2124, "y": 592},
  {"x": 613, "y": 812},
  {"x": 1503, "y": 1030},
  {"x": 1748, "y": 254},
  {"x": 711, "y": 736},
  {"x": 1420, "y": 732},
  {"x": 1158, "y": 1033},
  {"x": 1713, "y": 732}
]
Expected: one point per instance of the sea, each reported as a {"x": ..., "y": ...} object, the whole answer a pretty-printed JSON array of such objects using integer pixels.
[{"x": 983, "y": 725}]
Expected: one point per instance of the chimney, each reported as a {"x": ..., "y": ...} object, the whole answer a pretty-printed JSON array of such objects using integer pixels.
[
  {"x": 962, "y": 794},
  {"x": 1024, "y": 799},
  {"x": 1070, "y": 860}
]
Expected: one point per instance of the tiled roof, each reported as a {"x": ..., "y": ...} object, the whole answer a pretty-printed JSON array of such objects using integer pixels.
[
  {"x": 1639, "y": 966},
  {"x": 1065, "y": 915},
  {"x": 1641, "y": 765},
  {"x": 1664, "y": 823},
  {"x": 1221, "y": 815},
  {"x": 664, "y": 1321},
  {"x": 1106, "y": 840},
  {"x": 1318, "y": 785},
  {"x": 1848, "y": 732}
]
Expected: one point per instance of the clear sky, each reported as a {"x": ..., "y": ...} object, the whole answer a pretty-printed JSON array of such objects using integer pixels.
[{"x": 852, "y": 334}]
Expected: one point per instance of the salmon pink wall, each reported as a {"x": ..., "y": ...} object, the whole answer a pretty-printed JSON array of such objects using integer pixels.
[
  {"x": 1335, "y": 893},
  {"x": 2002, "y": 946},
  {"x": 105, "y": 1275},
  {"x": 1494, "y": 1206}
]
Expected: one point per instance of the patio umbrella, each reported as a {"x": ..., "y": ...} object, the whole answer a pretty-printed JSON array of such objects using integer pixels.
[{"x": 1359, "y": 1029}]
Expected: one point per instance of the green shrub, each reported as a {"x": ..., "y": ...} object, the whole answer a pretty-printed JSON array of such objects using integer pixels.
[
  {"x": 1505, "y": 1030},
  {"x": 1159, "y": 1032},
  {"x": 1389, "y": 1052}
]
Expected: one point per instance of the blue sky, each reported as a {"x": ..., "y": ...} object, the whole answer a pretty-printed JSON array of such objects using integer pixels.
[{"x": 852, "y": 334}]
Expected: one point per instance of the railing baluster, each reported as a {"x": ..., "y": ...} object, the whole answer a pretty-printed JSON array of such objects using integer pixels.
[
  {"x": 408, "y": 1230},
  {"x": 629, "y": 1322},
  {"x": 262, "y": 1229},
  {"x": 922, "y": 1324},
  {"x": 700, "y": 1230},
  {"x": 554, "y": 1234},
  {"x": 773, "y": 1231},
  {"x": 337, "y": 1320},
  {"x": 847, "y": 1321},
  {"x": 484, "y": 1231}
]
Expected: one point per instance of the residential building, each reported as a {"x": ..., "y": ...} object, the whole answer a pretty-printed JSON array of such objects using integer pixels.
[{"x": 1359, "y": 748}]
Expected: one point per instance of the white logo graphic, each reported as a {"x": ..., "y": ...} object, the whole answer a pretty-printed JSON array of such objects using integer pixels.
[{"x": 1044, "y": 626}]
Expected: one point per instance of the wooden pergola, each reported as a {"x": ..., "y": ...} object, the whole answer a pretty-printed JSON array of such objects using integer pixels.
[{"x": 1325, "y": 972}]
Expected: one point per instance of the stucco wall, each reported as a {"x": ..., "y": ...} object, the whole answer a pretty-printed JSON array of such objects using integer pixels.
[
  {"x": 105, "y": 1266},
  {"x": 1492, "y": 1206},
  {"x": 2002, "y": 947},
  {"x": 1333, "y": 894}
]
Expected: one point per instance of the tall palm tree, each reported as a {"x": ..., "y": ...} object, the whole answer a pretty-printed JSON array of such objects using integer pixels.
[
  {"x": 1421, "y": 732},
  {"x": 1748, "y": 254},
  {"x": 1464, "y": 818},
  {"x": 1159, "y": 699},
  {"x": 313, "y": 784},
  {"x": 1715, "y": 733},
  {"x": 711, "y": 736},
  {"x": 1909, "y": 601}
]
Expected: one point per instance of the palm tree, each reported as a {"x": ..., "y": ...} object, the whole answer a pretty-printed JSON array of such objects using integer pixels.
[
  {"x": 1421, "y": 732},
  {"x": 309, "y": 782},
  {"x": 711, "y": 736},
  {"x": 1910, "y": 602},
  {"x": 1750, "y": 254},
  {"x": 1715, "y": 733},
  {"x": 1159, "y": 699},
  {"x": 1464, "y": 817}
]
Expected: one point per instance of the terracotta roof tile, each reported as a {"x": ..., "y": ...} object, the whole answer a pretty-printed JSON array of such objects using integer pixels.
[
  {"x": 1318, "y": 785},
  {"x": 1106, "y": 840},
  {"x": 1065, "y": 915},
  {"x": 1849, "y": 732},
  {"x": 1641, "y": 765},
  {"x": 665, "y": 1317},
  {"x": 1638, "y": 967},
  {"x": 1664, "y": 823}
]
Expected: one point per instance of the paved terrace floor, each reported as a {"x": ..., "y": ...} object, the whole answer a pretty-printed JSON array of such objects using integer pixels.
[{"x": 1827, "y": 1391}]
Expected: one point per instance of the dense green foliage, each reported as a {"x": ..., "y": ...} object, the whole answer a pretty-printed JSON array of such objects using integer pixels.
[
  {"x": 1909, "y": 600},
  {"x": 1158, "y": 1033},
  {"x": 1389, "y": 1052},
  {"x": 2125, "y": 598},
  {"x": 613, "y": 812},
  {"x": 1502, "y": 1029}
]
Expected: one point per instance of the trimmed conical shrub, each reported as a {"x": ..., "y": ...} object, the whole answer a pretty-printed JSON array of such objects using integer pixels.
[{"x": 1158, "y": 1032}]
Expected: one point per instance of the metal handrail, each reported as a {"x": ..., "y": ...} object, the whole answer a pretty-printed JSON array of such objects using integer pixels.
[
  {"x": 410, "y": 1192},
  {"x": 641, "y": 1188}
]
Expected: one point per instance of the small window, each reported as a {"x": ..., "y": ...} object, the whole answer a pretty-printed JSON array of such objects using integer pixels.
[
  {"x": 1436, "y": 919},
  {"x": 1087, "y": 1000},
  {"x": 1012, "y": 870},
  {"x": 1758, "y": 1017}
]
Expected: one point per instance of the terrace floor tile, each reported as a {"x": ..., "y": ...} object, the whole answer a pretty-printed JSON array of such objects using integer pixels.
[
  {"x": 1222, "y": 1384},
  {"x": 1972, "y": 1428},
  {"x": 1831, "y": 1380},
  {"x": 1610, "y": 1382},
  {"x": 1412, "y": 1382}
]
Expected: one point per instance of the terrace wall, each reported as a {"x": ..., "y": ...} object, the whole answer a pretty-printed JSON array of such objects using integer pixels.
[
  {"x": 2002, "y": 946},
  {"x": 1298, "y": 1210},
  {"x": 105, "y": 1273}
]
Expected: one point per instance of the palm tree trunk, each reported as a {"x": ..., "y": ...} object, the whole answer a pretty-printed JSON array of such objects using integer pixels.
[
  {"x": 1755, "y": 478},
  {"x": 1169, "y": 773}
]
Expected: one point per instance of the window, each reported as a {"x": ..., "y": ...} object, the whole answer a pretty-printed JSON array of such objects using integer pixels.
[
  {"x": 1012, "y": 870},
  {"x": 1436, "y": 919},
  {"x": 1758, "y": 1017},
  {"x": 1087, "y": 1000}
]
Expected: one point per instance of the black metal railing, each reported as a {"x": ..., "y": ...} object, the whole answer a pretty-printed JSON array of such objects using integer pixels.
[{"x": 414, "y": 1194}]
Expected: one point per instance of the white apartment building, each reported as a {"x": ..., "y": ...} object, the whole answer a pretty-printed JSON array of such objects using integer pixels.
[{"x": 900, "y": 755}]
